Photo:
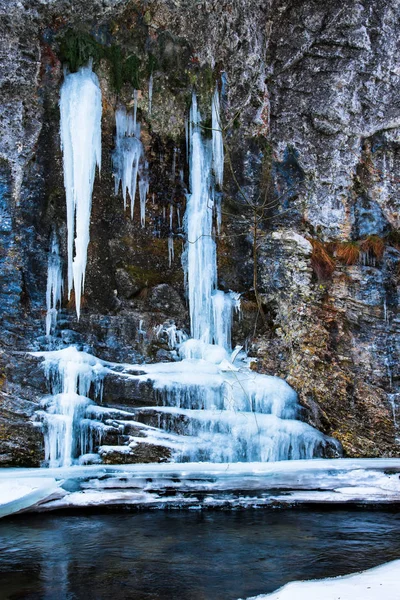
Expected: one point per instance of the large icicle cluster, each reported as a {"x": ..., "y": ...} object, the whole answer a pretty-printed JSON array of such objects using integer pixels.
[
  {"x": 127, "y": 154},
  {"x": 128, "y": 160},
  {"x": 80, "y": 108},
  {"x": 54, "y": 285}
]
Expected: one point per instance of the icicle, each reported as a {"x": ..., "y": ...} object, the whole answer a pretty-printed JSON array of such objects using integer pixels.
[
  {"x": 135, "y": 97},
  {"x": 170, "y": 249},
  {"x": 80, "y": 129},
  {"x": 141, "y": 332},
  {"x": 143, "y": 191},
  {"x": 150, "y": 93},
  {"x": 171, "y": 215},
  {"x": 217, "y": 140},
  {"x": 187, "y": 139},
  {"x": 178, "y": 216},
  {"x": 224, "y": 306},
  {"x": 127, "y": 155},
  {"x": 54, "y": 285},
  {"x": 173, "y": 168}
]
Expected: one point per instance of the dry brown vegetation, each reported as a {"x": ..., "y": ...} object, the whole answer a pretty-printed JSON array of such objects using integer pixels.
[
  {"x": 374, "y": 245},
  {"x": 322, "y": 262},
  {"x": 348, "y": 252}
]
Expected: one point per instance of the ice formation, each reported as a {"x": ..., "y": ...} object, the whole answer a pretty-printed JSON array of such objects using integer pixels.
[
  {"x": 217, "y": 140},
  {"x": 71, "y": 375},
  {"x": 200, "y": 256},
  {"x": 127, "y": 155},
  {"x": 150, "y": 93},
  {"x": 171, "y": 251},
  {"x": 206, "y": 405},
  {"x": 54, "y": 285},
  {"x": 80, "y": 128},
  {"x": 143, "y": 191},
  {"x": 211, "y": 310}
]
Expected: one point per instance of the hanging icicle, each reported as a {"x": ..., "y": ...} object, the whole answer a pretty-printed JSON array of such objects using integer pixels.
[
  {"x": 143, "y": 191},
  {"x": 150, "y": 93},
  {"x": 54, "y": 285},
  {"x": 80, "y": 128},
  {"x": 171, "y": 253}
]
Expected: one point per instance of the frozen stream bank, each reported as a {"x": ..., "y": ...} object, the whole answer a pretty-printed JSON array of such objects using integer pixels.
[{"x": 206, "y": 485}]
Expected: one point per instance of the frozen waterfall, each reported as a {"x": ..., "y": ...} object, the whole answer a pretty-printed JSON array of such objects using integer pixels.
[
  {"x": 80, "y": 128},
  {"x": 206, "y": 404}
]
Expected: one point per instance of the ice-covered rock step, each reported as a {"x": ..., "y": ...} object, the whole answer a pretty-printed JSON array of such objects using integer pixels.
[
  {"x": 229, "y": 436},
  {"x": 200, "y": 384}
]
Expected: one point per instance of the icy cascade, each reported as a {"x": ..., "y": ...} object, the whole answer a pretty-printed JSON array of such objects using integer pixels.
[
  {"x": 126, "y": 160},
  {"x": 219, "y": 412},
  {"x": 54, "y": 285},
  {"x": 201, "y": 408},
  {"x": 80, "y": 128},
  {"x": 71, "y": 375}
]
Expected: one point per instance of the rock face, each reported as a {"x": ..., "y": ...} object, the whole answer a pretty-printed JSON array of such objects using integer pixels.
[{"x": 310, "y": 200}]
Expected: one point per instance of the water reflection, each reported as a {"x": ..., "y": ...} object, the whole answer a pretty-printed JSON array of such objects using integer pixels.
[{"x": 186, "y": 555}]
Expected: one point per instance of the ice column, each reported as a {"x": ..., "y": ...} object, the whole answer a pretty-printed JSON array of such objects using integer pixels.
[
  {"x": 217, "y": 140},
  {"x": 200, "y": 257},
  {"x": 54, "y": 285},
  {"x": 80, "y": 128}
]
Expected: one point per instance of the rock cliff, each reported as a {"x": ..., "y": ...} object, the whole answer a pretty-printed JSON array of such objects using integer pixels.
[{"x": 310, "y": 212}]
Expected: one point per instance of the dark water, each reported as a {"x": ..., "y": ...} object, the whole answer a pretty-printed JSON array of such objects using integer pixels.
[{"x": 186, "y": 555}]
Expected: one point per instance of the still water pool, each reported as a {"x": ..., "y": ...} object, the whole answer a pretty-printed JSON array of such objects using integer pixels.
[{"x": 186, "y": 555}]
